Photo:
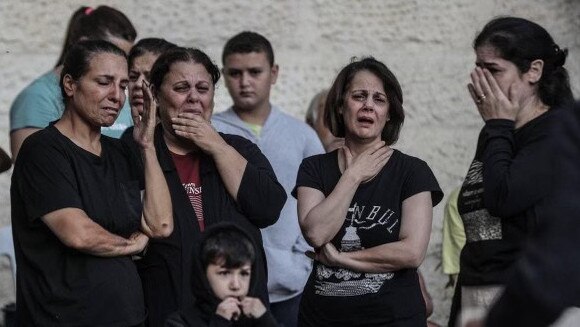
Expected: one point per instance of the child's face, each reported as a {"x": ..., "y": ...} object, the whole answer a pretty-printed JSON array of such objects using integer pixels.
[{"x": 229, "y": 282}]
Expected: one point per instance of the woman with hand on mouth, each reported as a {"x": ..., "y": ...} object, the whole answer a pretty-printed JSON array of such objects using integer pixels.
[
  {"x": 212, "y": 177},
  {"x": 365, "y": 208}
]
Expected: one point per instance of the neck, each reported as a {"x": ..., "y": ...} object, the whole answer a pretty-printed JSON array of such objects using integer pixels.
[
  {"x": 79, "y": 132},
  {"x": 357, "y": 147},
  {"x": 531, "y": 109},
  {"x": 255, "y": 116}
]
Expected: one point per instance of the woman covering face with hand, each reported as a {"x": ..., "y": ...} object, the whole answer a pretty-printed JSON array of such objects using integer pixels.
[
  {"x": 79, "y": 209},
  {"x": 365, "y": 208},
  {"x": 519, "y": 79},
  {"x": 212, "y": 177}
]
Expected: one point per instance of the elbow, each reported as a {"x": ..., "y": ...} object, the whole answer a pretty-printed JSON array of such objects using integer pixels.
[
  {"x": 314, "y": 240},
  {"x": 163, "y": 230},
  {"x": 415, "y": 259}
]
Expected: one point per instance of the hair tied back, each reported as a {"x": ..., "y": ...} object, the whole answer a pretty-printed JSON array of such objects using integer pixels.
[
  {"x": 560, "y": 56},
  {"x": 89, "y": 10}
]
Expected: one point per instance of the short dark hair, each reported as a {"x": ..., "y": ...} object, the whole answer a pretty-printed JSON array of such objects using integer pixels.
[
  {"x": 96, "y": 24},
  {"x": 337, "y": 94},
  {"x": 228, "y": 247},
  {"x": 78, "y": 59},
  {"x": 178, "y": 54},
  {"x": 521, "y": 41},
  {"x": 246, "y": 42},
  {"x": 154, "y": 45}
]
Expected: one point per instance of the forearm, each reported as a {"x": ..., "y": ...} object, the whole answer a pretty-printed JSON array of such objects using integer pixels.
[
  {"x": 157, "y": 220},
  {"x": 231, "y": 166},
  {"x": 101, "y": 243},
  {"x": 382, "y": 258},
  {"x": 324, "y": 220},
  {"x": 76, "y": 230}
]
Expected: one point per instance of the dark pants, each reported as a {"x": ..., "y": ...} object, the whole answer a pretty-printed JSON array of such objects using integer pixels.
[{"x": 286, "y": 312}]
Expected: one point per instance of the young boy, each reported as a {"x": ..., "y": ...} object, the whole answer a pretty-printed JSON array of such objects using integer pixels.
[
  {"x": 223, "y": 285},
  {"x": 250, "y": 72}
]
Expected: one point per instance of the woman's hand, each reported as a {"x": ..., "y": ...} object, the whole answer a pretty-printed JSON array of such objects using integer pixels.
[
  {"x": 145, "y": 123},
  {"x": 367, "y": 164},
  {"x": 252, "y": 307},
  {"x": 199, "y": 131},
  {"x": 138, "y": 242},
  {"x": 229, "y": 308},
  {"x": 328, "y": 255},
  {"x": 490, "y": 100}
]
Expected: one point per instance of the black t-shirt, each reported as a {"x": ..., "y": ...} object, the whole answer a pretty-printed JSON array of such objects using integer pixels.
[
  {"x": 57, "y": 285},
  {"x": 341, "y": 297},
  {"x": 500, "y": 197}
]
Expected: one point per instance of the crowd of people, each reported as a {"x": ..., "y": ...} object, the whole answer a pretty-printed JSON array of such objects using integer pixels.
[{"x": 134, "y": 205}]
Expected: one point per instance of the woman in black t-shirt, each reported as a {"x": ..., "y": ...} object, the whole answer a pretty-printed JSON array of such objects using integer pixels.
[
  {"x": 366, "y": 209},
  {"x": 79, "y": 210},
  {"x": 518, "y": 80}
]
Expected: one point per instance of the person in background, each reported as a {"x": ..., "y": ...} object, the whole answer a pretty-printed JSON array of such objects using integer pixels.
[
  {"x": 518, "y": 82},
  {"x": 141, "y": 58},
  {"x": 41, "y": 102},
  {"x": 453, "y": 242},
  {"x": 225, "y": 287},
  {"x": 315, "y": 118},
  {"x": 79, "y": 209},
  {"x": 250, "y": 72},
  {"x": 5, "y": 161},
  {"x": 212, "y": 178},
  {"x": 366, "y": 209}
]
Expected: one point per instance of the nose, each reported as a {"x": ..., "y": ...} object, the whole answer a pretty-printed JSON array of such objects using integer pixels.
[
  {"x": 245, "y": 79},
  {"x": 235, "y": 283},
  {"x": 193, "y": 96},
  {"x": 369, "y": 104},
  {"x": 116, "y": 94}
]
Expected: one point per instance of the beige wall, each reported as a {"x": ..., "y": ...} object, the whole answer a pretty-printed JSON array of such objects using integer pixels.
[{"x": 426, "y": 43}]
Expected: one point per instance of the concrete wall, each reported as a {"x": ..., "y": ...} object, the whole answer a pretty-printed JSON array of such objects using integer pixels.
[{"x": 426, "y": 43}]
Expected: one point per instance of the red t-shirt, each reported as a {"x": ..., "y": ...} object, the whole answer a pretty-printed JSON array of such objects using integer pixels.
[{"x": 188, "y": 169}]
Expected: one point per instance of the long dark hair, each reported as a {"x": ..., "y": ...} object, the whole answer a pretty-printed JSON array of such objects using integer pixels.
[
  {"x": 521, "y": 41},
  {"x": 96, "y": 24}
]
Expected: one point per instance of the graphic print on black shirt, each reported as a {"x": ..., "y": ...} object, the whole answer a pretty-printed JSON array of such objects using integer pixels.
[
  {"x": 479, "y": 224},
  {"x": 331, "y": 281}
]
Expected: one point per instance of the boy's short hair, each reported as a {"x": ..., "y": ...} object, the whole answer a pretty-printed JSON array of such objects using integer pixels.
[
  {"x": 228, "y": 247},
  {"x": 246, "y": 42}
]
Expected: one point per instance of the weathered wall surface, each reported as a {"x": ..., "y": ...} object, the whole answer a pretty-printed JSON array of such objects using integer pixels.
[{"x": 426, "y": 43}]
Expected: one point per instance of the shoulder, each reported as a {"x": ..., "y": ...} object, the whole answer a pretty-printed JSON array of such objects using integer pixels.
[
  {"x": 417, "y": 176},
  {"x": 223, "y": 116},
  {"x": 321, "y": 161},
  {"x": 44, "y": 143},
  {"x": 44, "y": 86},
  {"x": 408, "y": 161}
]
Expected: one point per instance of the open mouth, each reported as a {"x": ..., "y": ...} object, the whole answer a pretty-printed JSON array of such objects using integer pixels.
[
  {"x": 365, "y": 120},
  {"x": 192, "y": 111}
]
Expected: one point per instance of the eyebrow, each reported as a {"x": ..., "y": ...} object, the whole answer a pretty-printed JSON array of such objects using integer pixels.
[
  {"x": 486, "y": 64},
  {"x": 361, "y": 90}
]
